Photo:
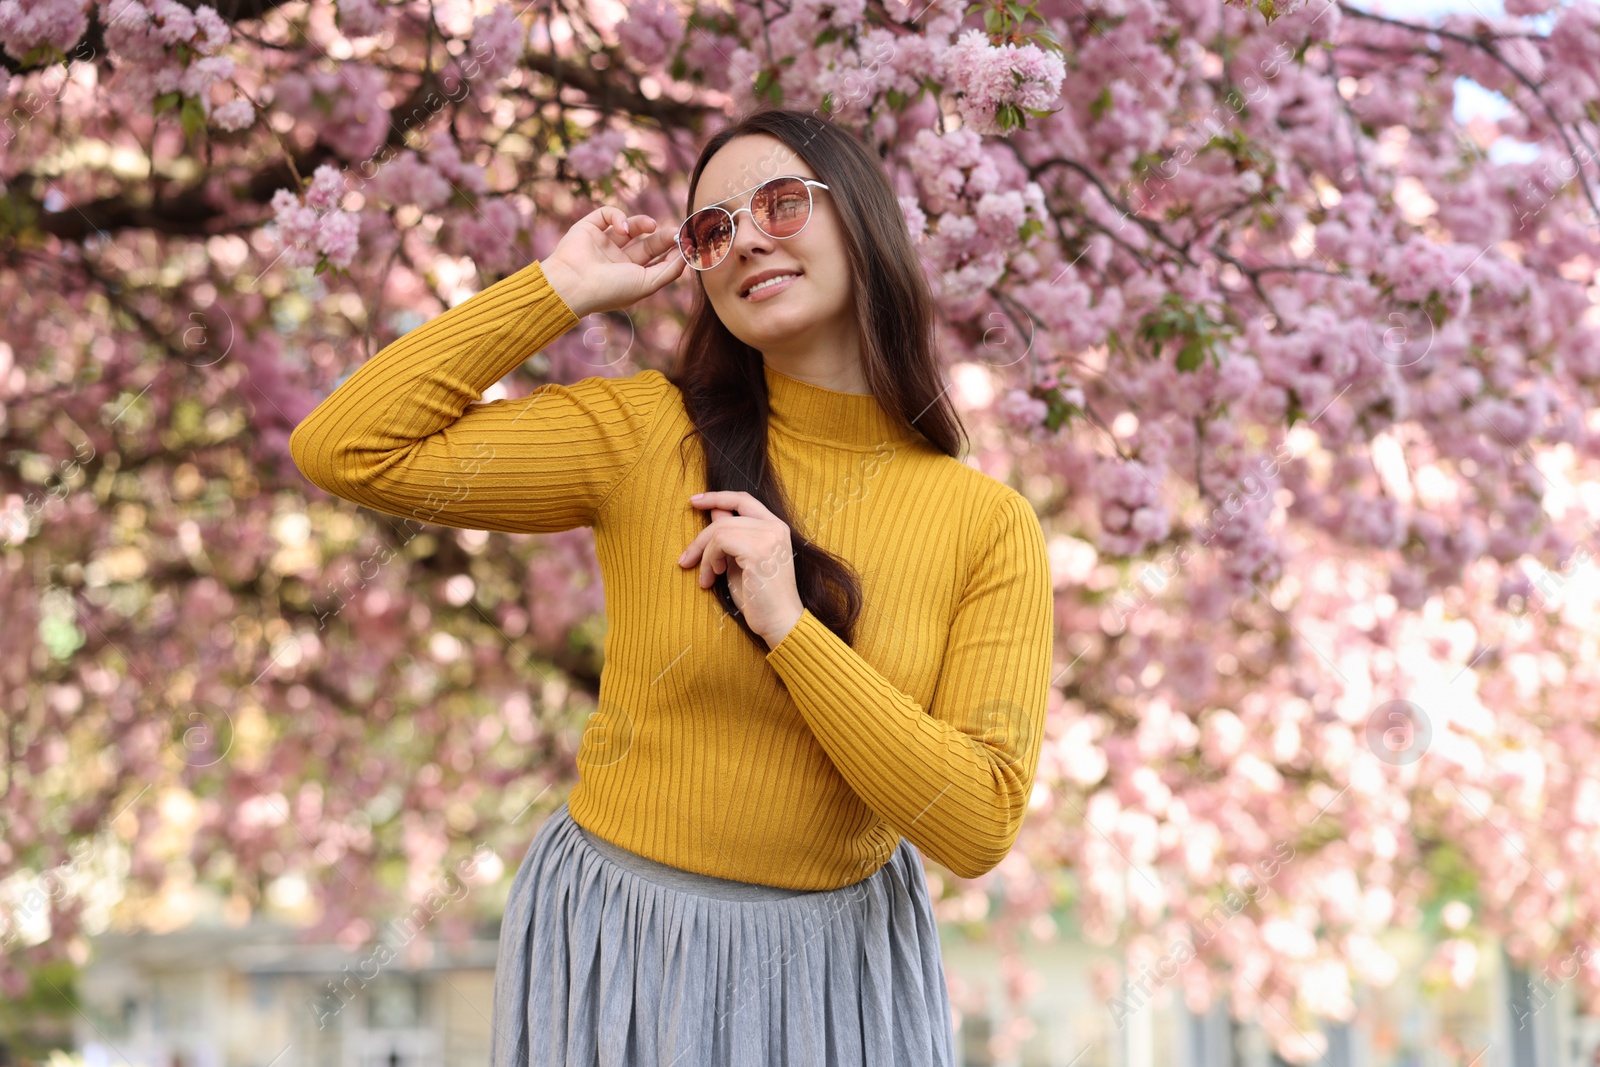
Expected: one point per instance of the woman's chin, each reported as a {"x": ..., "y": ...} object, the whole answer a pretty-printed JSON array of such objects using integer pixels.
[{"x": 773, "y": 328}]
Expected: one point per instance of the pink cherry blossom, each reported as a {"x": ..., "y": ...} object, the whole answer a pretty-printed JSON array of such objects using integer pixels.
[
  {"x": 652, "y": 32},
  {"x": 988, "y": 77}
]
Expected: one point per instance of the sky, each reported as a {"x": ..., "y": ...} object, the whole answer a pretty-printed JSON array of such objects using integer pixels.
[{"x": 1472, "y": 99}]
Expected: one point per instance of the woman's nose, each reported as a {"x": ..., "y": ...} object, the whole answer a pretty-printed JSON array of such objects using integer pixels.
[{"x": 747, "y": 236}]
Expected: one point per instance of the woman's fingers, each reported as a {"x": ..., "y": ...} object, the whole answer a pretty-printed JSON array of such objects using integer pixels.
[
  {"x": 704, "y": 549},
  {"x": 705, "y": 553},
  {"x": 649, "y": 246},
  {"x": 732, "y": 500},
  {"x": 666, "y": 270},
  {"x": 692, "y": 551},
  {"x": 711, "y": 563},
  {"x": 642, "y": 243},
  {"x": 608, "y": 220}
]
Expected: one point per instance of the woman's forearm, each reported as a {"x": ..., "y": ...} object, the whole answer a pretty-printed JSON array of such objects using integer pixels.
[{"x": 424, "y": 381}]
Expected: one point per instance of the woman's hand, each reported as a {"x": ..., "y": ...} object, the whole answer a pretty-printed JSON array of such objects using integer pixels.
[
  {"x": 753, "y": 546},
  {"x": 608, "y": 260}
]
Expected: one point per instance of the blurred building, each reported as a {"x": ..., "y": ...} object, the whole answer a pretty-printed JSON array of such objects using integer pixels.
[{"x": 256, "y": 997}]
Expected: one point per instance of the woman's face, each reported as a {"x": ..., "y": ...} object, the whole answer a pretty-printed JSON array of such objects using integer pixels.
[{"x": 821, "y": 298}]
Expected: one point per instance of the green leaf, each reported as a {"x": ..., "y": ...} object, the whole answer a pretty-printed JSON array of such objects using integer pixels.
[
  {"x": 1296, "y": 412},
  {"x": 1047, "y": 40},
  {"x": 1175, "y": 319},
  {"x": 44, "y": 55},
  {"x": 1058, "y": 410},
  {"x": 18, "y": 217},
  {"x": 1101, "y": 103},
  {"x": 767, "y": 86},
  {"x": 1191, "y": 355},
  {"x": 1030, "y": 228},
  {"x": 166, "y": 100},
  {"x": 829, "y": 34},
  {"x": 193, "y": 117}
]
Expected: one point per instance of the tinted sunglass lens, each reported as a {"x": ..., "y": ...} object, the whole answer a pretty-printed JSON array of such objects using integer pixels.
[
  {"x": 705, "y": 237},
  {"x": 781, "y": 206}
]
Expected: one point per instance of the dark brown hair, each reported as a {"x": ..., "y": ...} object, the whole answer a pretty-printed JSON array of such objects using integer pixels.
[{"x": 723, "y": 383}]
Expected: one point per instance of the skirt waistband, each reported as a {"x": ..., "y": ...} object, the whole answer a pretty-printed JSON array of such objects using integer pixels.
[{"x": 704, "y": 885}]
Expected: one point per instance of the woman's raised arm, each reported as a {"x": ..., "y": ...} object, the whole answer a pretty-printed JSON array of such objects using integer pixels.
[{"x": 405, "y": 434}]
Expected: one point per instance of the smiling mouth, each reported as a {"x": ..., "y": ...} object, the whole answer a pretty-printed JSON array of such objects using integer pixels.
[{"x": 770, "y": 283}]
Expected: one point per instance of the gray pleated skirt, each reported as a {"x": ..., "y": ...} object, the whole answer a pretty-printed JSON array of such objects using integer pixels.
[{"x": 610, "y": 959}]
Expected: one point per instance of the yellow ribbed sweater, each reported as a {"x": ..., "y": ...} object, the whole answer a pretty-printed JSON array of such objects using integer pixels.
[{"x": 800, "y": 768}]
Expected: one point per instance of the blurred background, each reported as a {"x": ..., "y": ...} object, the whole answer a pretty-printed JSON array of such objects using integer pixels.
[{"x": 1282, "y": 314}]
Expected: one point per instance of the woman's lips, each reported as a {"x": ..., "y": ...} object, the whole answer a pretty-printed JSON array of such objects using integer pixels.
[{"x": 773, "y": 290}]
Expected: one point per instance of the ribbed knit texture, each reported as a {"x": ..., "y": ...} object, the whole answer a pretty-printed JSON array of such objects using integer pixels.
[{"x": 801, "y": 767}]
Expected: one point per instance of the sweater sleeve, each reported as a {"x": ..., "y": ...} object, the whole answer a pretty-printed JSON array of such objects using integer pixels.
[
  {"x": 955, "y": 778},
  {"x": 405, "y": 433}
]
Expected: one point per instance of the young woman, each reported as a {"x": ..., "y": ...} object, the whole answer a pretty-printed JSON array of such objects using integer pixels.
[{"x": 829, "y": 639}]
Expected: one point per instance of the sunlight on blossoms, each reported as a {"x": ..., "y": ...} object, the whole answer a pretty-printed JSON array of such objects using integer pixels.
[{"x": 974, "y": 388}]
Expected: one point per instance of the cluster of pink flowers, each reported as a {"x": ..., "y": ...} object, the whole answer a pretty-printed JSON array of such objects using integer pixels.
[
  {"x": 408, "y": 179},
  {"x": 146, "y": 35},
  {"x": 598, "y": 154},
  {"x": 986, "y": 78},
  {"x": 916, "y": 218},
  {"x": 498, "y": 41},
  {"x": 1067, "y": 306},
  {"x": 982, "y": 199},
  {"x": 1022, "y": 410},
  {"x": 360, "y": 18},
  {"x": 488, "y": 233},
  {"x": 317, "y": 226},
  {"x": 1132, "y": 514},
  {"x": 58, "y": 24},
  {"x": 652, "y": 32},
  {"x": 444, "y": 155},
  {"x": 344, "y": 104}
]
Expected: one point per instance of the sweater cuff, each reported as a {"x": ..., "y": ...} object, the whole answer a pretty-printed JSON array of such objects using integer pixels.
[
  {"x": 802, "y": 645},
  {"x": 530, "y": 286}
]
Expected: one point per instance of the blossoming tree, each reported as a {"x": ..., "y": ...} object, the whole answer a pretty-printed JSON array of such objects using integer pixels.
[{"x": 1297, "y": 367}]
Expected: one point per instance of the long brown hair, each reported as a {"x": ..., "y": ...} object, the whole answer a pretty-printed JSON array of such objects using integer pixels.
[{"x": 722, "y": 379}]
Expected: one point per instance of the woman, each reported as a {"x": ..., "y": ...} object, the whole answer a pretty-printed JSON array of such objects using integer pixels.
[{"x": 831, "y": 660}]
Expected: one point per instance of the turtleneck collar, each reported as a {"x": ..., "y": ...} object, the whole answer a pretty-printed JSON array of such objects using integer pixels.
[{"x": 829, "y": 417}]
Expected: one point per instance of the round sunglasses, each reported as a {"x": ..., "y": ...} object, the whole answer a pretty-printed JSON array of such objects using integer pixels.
[{"x": 780, "y": 207}]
